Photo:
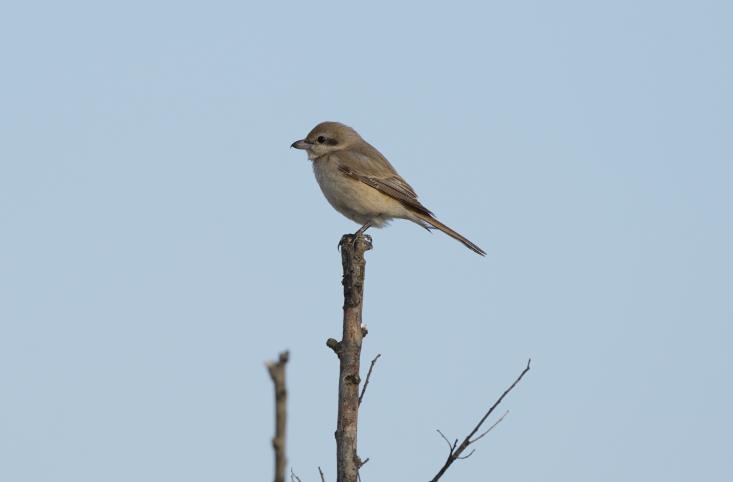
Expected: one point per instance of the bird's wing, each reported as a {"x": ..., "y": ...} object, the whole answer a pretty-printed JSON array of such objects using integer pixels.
[{"x": 369, "y": 166}]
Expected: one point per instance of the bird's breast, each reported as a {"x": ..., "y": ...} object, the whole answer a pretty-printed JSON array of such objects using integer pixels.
[{"x": 352, "y": 198}]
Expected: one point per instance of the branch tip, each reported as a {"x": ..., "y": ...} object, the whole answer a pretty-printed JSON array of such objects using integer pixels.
[{"x": 455, "y": 453}]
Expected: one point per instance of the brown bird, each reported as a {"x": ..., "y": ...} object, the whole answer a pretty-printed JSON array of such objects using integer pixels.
[{"x": 361, "y": 184}]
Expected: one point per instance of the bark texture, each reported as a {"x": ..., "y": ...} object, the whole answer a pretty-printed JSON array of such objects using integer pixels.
[
  {"x": 277, "y": 373},
  {"x": 349, "y": 353}
]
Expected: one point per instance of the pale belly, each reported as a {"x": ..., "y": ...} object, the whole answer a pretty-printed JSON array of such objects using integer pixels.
[{"x": 355, "y": 200}]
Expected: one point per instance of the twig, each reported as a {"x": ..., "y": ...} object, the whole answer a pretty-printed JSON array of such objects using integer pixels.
[
  {"x": 293, "y": 477},
  {"x": 369, "y": 375},
  {"x": 451, "y": 446},
  {"x": 323, "y": 477},
  {"x": 455, "y": 453},
  {"x": 277, "y": 373},
  {"x": 491, "y": 428}
]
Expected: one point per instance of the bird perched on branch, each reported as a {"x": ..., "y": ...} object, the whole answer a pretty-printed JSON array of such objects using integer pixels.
[{"x": 361, "y": 184}]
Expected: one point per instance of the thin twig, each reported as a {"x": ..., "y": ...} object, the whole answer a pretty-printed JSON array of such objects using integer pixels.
[
  {"x": 323, "y": 477},
  {"x": 455, "y": 453},
  {"x": 451, "y": 446},
  {"x": 293, "y": 477},
  {"x": 369, "y": 375},
  {"x": 491, "y": 428},
  {"x": 466, "y": 456}
]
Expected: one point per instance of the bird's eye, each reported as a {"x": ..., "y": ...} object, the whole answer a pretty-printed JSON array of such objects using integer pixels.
[{"x": 321, "y": 139}]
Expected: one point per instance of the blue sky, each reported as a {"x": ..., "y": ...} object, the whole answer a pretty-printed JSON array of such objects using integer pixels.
[{"x": 160, "y": 241}]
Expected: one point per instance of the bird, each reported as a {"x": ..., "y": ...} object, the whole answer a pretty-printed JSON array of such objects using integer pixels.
[{"x": 360, "y": 183}]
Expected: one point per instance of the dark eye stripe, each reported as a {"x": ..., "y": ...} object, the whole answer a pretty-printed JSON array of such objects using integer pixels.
[{"x": 329, "y": 141}]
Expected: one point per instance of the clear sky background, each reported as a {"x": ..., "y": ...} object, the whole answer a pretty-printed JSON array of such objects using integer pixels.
[{"x": 159, "y": 240}]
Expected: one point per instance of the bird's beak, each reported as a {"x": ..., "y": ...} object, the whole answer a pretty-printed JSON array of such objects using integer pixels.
[{"x": 301, "y": 144}]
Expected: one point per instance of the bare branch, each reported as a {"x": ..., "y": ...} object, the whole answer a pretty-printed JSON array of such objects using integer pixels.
[
  {"x": 323, "y": 477},
  {"x": 277, "y": 373},
  {"x": 369, "y": 375},
  {"x": 456, "y": 454},
  {"x": 353, "y": 248}
]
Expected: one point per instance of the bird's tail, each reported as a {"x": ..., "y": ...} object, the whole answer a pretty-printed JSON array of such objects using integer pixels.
[{"x": 438, "y": 225}]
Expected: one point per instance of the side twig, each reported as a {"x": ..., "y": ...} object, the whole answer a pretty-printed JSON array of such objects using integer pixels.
[
  {"x": 277, "y": 373},
  {"x": 293, "y": 477},
  {"x": 368, "y": 377},
  {"x": 457, "y": 451}
]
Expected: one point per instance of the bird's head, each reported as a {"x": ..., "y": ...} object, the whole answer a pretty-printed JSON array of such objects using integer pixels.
[{"x": 327, "y": 137}]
